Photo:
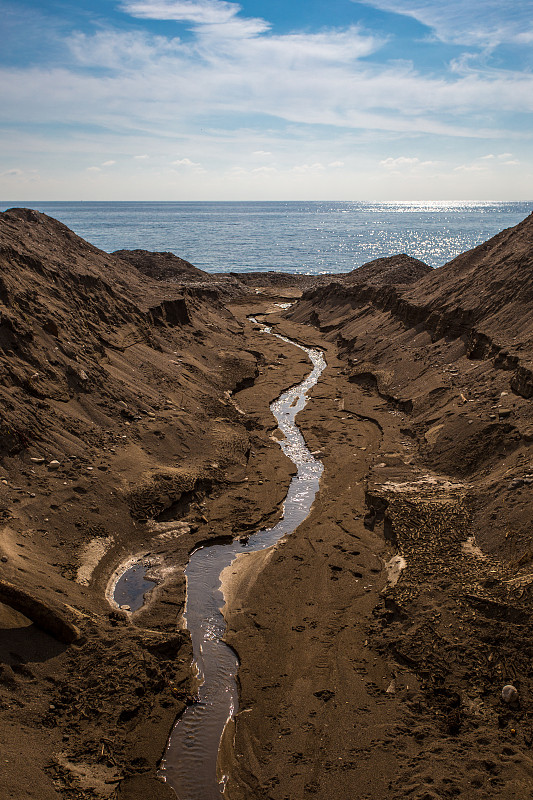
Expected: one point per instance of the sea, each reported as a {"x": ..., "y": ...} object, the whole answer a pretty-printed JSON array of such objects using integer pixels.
[{"x": 297, "y": 237}]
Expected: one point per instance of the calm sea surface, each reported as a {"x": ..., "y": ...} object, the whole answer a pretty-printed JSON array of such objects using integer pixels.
[{"x": 303, "y": 237}]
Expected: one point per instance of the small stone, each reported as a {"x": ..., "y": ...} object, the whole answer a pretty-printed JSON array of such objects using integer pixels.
[
  {"x": 54, "y": 464},
  {"x": 516, "y": 483},
  {"x": 4, "y": 481},
  {"x": 125, "y": 608},
  {"x": 3, "y": 559},
  {"x": 38, "y": 459},
  {"x": 509, "y": 694}
]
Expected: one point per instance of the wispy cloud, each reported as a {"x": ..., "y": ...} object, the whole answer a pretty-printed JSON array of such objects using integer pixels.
[
  {"x": 489, "y": 162},
  {"x": 485, "y": 22},
  {"x": 185, "y": 162},
  {"x": 401, "y": 161},
  {"x": 160, "y": 86},
  {"x": 242, "y": 99},
  {"x": 206, "y": 12},
  {"x": 20, "y": 175}
]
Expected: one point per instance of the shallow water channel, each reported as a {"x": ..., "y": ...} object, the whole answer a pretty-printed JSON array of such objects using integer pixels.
[{"x": 190, "y": 761}]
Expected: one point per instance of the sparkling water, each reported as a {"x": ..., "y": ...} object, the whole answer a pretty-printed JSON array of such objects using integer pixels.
[{"x": 302, "y": 237}]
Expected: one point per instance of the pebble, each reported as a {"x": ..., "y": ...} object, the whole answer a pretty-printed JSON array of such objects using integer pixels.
[
  {"x": 54, "y": 464},
  {"x": 509, "y": 693},
  {"x": 38, "y": 459}
]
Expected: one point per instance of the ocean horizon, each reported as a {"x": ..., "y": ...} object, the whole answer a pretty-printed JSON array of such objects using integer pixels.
[{"x": 304, "y": 237}]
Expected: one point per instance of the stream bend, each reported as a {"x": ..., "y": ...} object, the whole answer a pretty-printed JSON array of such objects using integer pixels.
[{"x": 190, "y": 761}]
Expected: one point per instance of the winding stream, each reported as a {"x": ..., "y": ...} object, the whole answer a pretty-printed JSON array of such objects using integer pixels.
[{"x": 190, "y": 761}]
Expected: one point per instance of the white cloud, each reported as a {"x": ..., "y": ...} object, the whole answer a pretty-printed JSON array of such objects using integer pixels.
[
  {"x": 94, "y": 169},
  {"x": 500, "y": 156},
  {"x": 401, "y": 161},
  {"x": 198, "y": 11},
  {"x": 490, "y": 160},
  {"x": 160, "y": 85},
  {"x": 293, "y": 98},
  {"x": 470, "y": 168},
  {"x": 484, "y": 23},
  {"x": 166, "y": 95},
  {"x": 302, "y": 169},
  {"x": 185, "y": 162},
  {"x": 21, "y": 176}
]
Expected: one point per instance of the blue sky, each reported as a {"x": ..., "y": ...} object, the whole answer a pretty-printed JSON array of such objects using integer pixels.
[{"x": 285, "y": 99}]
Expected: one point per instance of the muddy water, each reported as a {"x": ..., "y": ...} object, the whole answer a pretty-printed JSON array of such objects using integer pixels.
[
  {"x": 131, "y": 587},
  {"x": 190, "y": 761}
]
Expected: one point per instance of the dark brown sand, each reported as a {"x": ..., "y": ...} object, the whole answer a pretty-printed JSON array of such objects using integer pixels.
[{"x": 153, "y": 396}]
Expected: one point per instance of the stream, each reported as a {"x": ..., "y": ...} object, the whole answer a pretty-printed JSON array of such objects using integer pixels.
[{"x": 189, "y": 765}]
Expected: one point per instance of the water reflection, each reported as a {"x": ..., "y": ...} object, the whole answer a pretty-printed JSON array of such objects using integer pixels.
[{"x": 189, "y": 765}]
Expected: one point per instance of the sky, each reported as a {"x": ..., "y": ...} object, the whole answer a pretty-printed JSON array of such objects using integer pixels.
[{"x": 266, "y": 100}]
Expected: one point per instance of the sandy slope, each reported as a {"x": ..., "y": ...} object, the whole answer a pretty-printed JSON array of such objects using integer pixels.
[
  {"x": 153, "y": 396},
  {"x": 356, "y": 687}
]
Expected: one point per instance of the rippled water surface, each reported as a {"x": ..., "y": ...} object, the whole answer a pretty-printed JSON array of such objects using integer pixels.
[
  {"x": 305, "y": 237},
  {"x": 189, "y": 765}
]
